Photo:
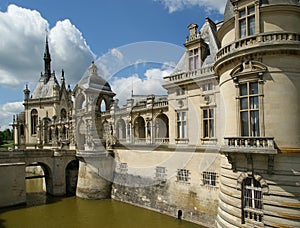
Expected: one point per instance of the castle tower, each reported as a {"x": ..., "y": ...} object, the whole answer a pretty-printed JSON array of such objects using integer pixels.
[
  {"x": 93, "y": 97},
  {"x": 259, "y": 79}
]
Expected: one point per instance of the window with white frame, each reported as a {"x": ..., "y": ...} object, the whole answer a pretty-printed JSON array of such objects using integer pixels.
[
  {"x": 183, "y": 175},
  {"x": 208, "y": 123},
  {"x": 249, "y": 109},
  {"x": 209, "y": 178},
  {"x": 252, "y": 200},
  {"x": 181, "y": 124},
  {"x": 246, "y": 17},
  {"x": 194, "y": 59}
]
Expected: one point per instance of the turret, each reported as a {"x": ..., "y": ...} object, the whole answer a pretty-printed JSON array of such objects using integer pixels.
[{"x": 26, "y": 93}]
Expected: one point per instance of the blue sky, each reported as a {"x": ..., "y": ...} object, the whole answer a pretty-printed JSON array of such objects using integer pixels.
[{"x": 82, "y": 31}]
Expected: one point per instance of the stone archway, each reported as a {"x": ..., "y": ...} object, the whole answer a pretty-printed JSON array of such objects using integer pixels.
[
  {"x": 121, "y": 130},
  {"x": 41, "y": 170},
  {"x": 162, "y": 128},
  {"x": 71, "y": 173},
  {"x": 139, "y": 128}
]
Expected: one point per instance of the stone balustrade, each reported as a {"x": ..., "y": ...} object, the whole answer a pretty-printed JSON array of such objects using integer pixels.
[
  {"x": 259, "y": 40},
  {"x": 161, "y": 104},
  {"x": 161, "y": 141},
  {"x": 249, "y": 144},
  {"x": 191, "y": 74}
]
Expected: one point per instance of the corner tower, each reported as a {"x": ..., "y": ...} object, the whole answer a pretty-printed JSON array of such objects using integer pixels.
[{"x": 259, "y": 78}]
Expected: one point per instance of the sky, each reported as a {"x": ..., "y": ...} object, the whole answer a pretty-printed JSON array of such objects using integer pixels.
[{"x": 135, "y": 43}]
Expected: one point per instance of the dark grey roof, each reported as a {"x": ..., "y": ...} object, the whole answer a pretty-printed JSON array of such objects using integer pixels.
[
  {"x": 93, "y": 81},
  {"x": 208, "y": 34},
  {"x": 45, "y": 90},
  {"x": 229, "y": 11}
]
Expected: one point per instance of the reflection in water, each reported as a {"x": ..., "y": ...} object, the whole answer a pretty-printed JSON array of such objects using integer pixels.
[{"x": 74, "y": 212}]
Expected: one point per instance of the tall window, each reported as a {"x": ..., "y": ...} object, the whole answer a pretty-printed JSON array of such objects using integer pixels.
[
  {"x": 194, "y": 59},
  {"x": 181, "y": 125},
  {"x": 208, "y": 123},
  {"x": 249, "y": 109},
  {"x": 34, "y": 121},
  {"x": 247, "y": 21},
  {"x": 63, "y": 114},
  {"x": 252, "y": 200}
]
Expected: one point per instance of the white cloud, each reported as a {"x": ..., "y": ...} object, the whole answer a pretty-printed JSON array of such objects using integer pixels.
[
  {"x": 115, "y": 52},
  {"x": 69, "y": 50},
  {"x": 6, "y": 113},
  {"x": 22, "y": 46},
  {"x": 23, "y": 33},
  {"x": 152, "y": 84},
  {"x": 209, "y": 5}
]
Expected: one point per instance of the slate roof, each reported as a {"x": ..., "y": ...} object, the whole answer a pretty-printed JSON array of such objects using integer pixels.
[
  {"x": 45, "y": 90},
  {"x": 93, "y": 81}
]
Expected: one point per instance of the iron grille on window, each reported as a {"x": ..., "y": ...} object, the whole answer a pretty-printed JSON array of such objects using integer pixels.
[
  {"x": 252, "y": 200},
  {"x": 183, "y": 175},
  {"x": 123, "y": 167},
  {"x": 160, "y": 173},
  {"x": 209, "y": 178}
]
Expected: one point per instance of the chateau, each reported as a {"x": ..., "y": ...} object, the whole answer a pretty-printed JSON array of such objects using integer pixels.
[{"x": 222, "y": 149}]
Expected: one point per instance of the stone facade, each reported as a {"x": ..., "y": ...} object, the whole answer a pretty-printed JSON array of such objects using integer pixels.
[
  {"x": 258, "y": 73},
  {"x": 46, "y": 121},
  {"x": 222, "y": 148}
]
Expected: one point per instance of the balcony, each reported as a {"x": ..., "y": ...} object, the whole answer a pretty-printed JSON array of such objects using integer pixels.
[
  {"x": 267, "y": 40},
  {"x": 254, "y": 145}
]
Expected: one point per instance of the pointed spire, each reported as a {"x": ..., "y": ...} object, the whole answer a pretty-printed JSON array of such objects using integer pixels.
[
  {"x": 47, "y": 60},
  {"x": 62, "y": 79}
]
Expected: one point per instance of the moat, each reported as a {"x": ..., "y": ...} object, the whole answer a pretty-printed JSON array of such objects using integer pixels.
[{"x": 47, "y": 211}]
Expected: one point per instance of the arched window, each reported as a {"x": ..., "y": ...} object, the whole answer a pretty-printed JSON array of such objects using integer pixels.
[
  {"x": 63, "y": 114},
  {"x": 252, "y": 201},
  {"x": 121, "y": 129},
  {"x": 64, "y": 133},
  {"x": 34, "y": 121},
  {"x": 162, "y": 127},
  {"x": 47, "y": 130},
  {"x": 139, "y": 128},
  {"x": 103, "y": 106}
]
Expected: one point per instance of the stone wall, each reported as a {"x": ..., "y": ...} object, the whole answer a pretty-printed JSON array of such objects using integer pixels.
[
  {"x": 12, "y": 184},
  {"x": 138, "y": 184}
]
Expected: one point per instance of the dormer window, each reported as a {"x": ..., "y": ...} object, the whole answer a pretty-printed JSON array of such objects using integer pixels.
[
  {"x": 194, "y": 59},
  {"x": 246, "y": 19}
]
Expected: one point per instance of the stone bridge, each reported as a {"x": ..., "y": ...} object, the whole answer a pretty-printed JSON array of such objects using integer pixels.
[{"x": 60, "y": 171}]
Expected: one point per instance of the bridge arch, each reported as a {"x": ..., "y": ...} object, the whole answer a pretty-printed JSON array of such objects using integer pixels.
[
  {"x": 71, "y": 173},
  {"x": 47, "y": 173}
]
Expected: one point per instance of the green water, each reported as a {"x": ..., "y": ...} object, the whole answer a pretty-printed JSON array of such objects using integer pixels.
[{"x": 72, "y": 212}]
